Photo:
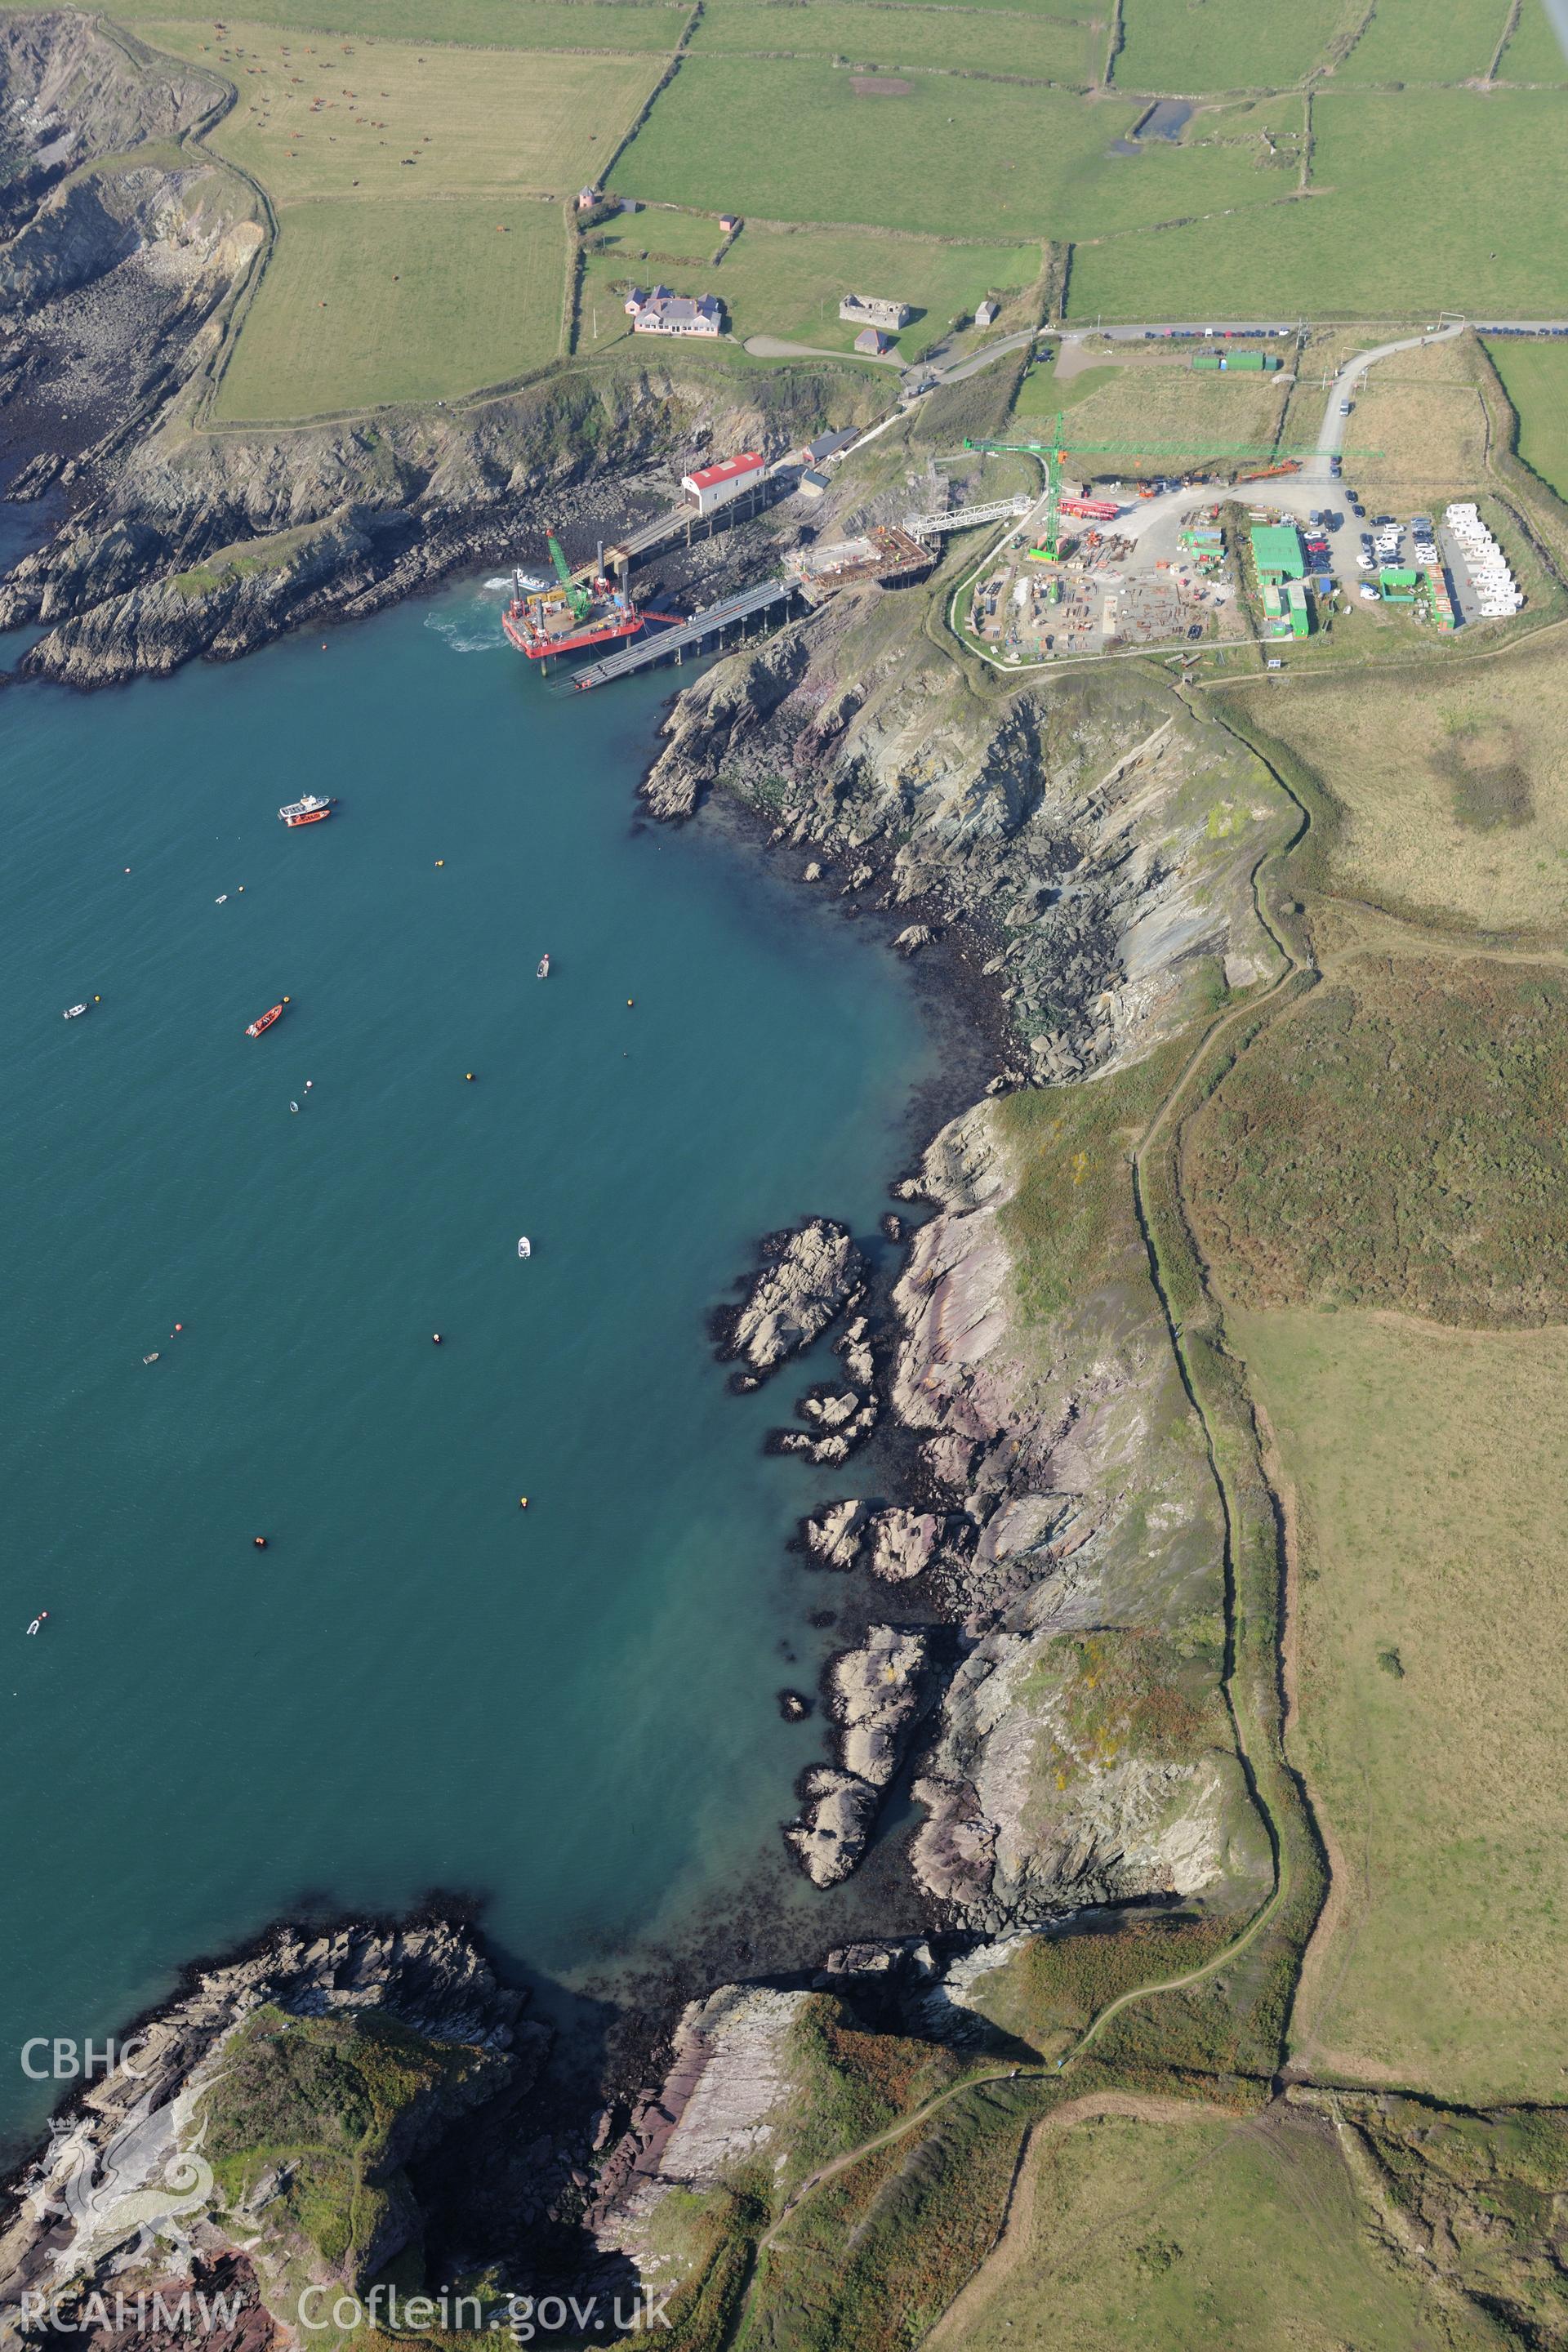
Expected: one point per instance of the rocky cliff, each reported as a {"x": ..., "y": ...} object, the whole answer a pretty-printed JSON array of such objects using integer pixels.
[
  {"x": 1082, "y": 850},
  {"x": 122, "y": 243},
  {"x": 126, "y": 252},
  {"x": 259, "y": 2129},
  {"x": 1096, "y": 832},
  {"x": 213, "y": 543}
]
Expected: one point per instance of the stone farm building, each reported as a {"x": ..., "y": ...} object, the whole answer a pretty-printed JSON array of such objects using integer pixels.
[
  {"x": 661, "y": 313},
  {"x": 869, "y": 311}
]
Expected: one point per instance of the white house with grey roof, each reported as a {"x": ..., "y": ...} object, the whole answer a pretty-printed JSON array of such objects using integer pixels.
[{"x": 660, "y": 312}]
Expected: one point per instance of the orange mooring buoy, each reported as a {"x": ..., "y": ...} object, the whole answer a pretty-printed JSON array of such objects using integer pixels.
[{"x": 260, "y": 1542}]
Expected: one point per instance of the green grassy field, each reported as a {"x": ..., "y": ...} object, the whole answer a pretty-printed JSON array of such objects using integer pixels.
[
  {"x": 1409, "y": 41},
  {"x": 1386, "y": 750},
  {"x": 1535, "y": 52},
  {"x": 1431, "y": 1469},
  {"x": 1224, "y": 44},
  {"x": 952, "y": 156},
  {"x": 788, "y": 282},
  {"x": 482, "y": 24},
  {"x": 320, "y": 118},
  {"x": 1164, "y": 401},
  {"x": 886, "y": 38},
  {"x": 422, "y": 301},
  {"x": 408, "y": 266},
  {"x": 633, "y": 244},
  {"x": 1427, "y": 1097},
  {"x": 1191, "y": 2234},
  {"x": 1494, "y": 239},
  {"x": 1535, "y": 377}
]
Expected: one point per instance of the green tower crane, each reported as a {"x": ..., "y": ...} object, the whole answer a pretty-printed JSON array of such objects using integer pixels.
[{"x": 576, "y": 596}]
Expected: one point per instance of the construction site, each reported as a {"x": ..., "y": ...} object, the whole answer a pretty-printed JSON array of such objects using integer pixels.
[{"x": 1098, "y": 592}]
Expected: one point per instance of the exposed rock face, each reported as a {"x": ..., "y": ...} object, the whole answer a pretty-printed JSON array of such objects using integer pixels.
[
  {"x": 721, "y": 2099},
  {"x": 853, "y": 1348},
  {"x": 132, "y": 2142},
  {"x": 833, "y": 1534},
  {"x": 894, "y": 1542},
  {"x": 1065, "y": 822},
  {"x": 848, "y": 1423},
  {"x": 73, "y": 95},
  {"x": 1100, "y": 1526},
  {"x": 838, "y": 1814},
  {"x": 874, "y": 1693},
  {"x": 811, "y": 1276},
  {"x": 903, "y": 1543},
  {"x": 873, "y": 1696}
]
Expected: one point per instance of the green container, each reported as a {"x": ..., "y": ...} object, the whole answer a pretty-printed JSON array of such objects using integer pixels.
[
  {"x": 1210, "y": 359},
  {"x": 1259, "y": 363}
]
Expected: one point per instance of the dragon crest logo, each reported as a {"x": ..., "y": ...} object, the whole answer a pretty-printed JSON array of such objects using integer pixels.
[{"x": 141, "y": 2184}]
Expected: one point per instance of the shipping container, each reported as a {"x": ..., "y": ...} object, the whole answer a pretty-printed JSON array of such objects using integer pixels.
[{"x": 1210, "y": 361}]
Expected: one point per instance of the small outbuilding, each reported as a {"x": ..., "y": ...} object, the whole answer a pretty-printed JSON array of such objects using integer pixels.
[
  {"x": 873, "y": 311},
  {"x": 873, "y": 342},
  {"x": 988, "y": 312},
  {"x": 588, "y": 197},
  {"x": 729, "y": 223},
  {"x": 828, "y": 445}
]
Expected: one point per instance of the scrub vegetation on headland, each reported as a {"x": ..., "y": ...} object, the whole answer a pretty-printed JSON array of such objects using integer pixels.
[{"x": 1208, "y": 1614}]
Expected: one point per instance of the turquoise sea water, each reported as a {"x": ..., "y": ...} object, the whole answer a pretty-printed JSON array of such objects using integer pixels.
[{"x": 571, "y": 1709}]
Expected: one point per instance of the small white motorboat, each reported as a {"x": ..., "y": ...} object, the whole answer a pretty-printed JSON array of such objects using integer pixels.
[
  {"x": 152, "y": 1359},
  {"x": 524, "y": 1246},
  {"x": 73, "y": 1012},
  {"x": 542, "y": 970}
]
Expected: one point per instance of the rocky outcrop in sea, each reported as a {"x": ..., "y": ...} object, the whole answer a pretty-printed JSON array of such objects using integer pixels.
[{"x": 810, "y": 1275}]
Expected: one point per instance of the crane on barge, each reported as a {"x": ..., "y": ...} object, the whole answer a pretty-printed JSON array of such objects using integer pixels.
[{"x": 572, "y": 614}]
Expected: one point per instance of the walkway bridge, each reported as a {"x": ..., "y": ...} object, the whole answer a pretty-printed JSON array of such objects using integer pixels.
[
  {"x": 931, "y": 526},
  {"x": 671, "y": 645}
]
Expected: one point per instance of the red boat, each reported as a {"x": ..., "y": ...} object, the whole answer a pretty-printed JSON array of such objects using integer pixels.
[
  {"x": 310, "y": 811},
  {"x": 266, "y": 1020}
]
